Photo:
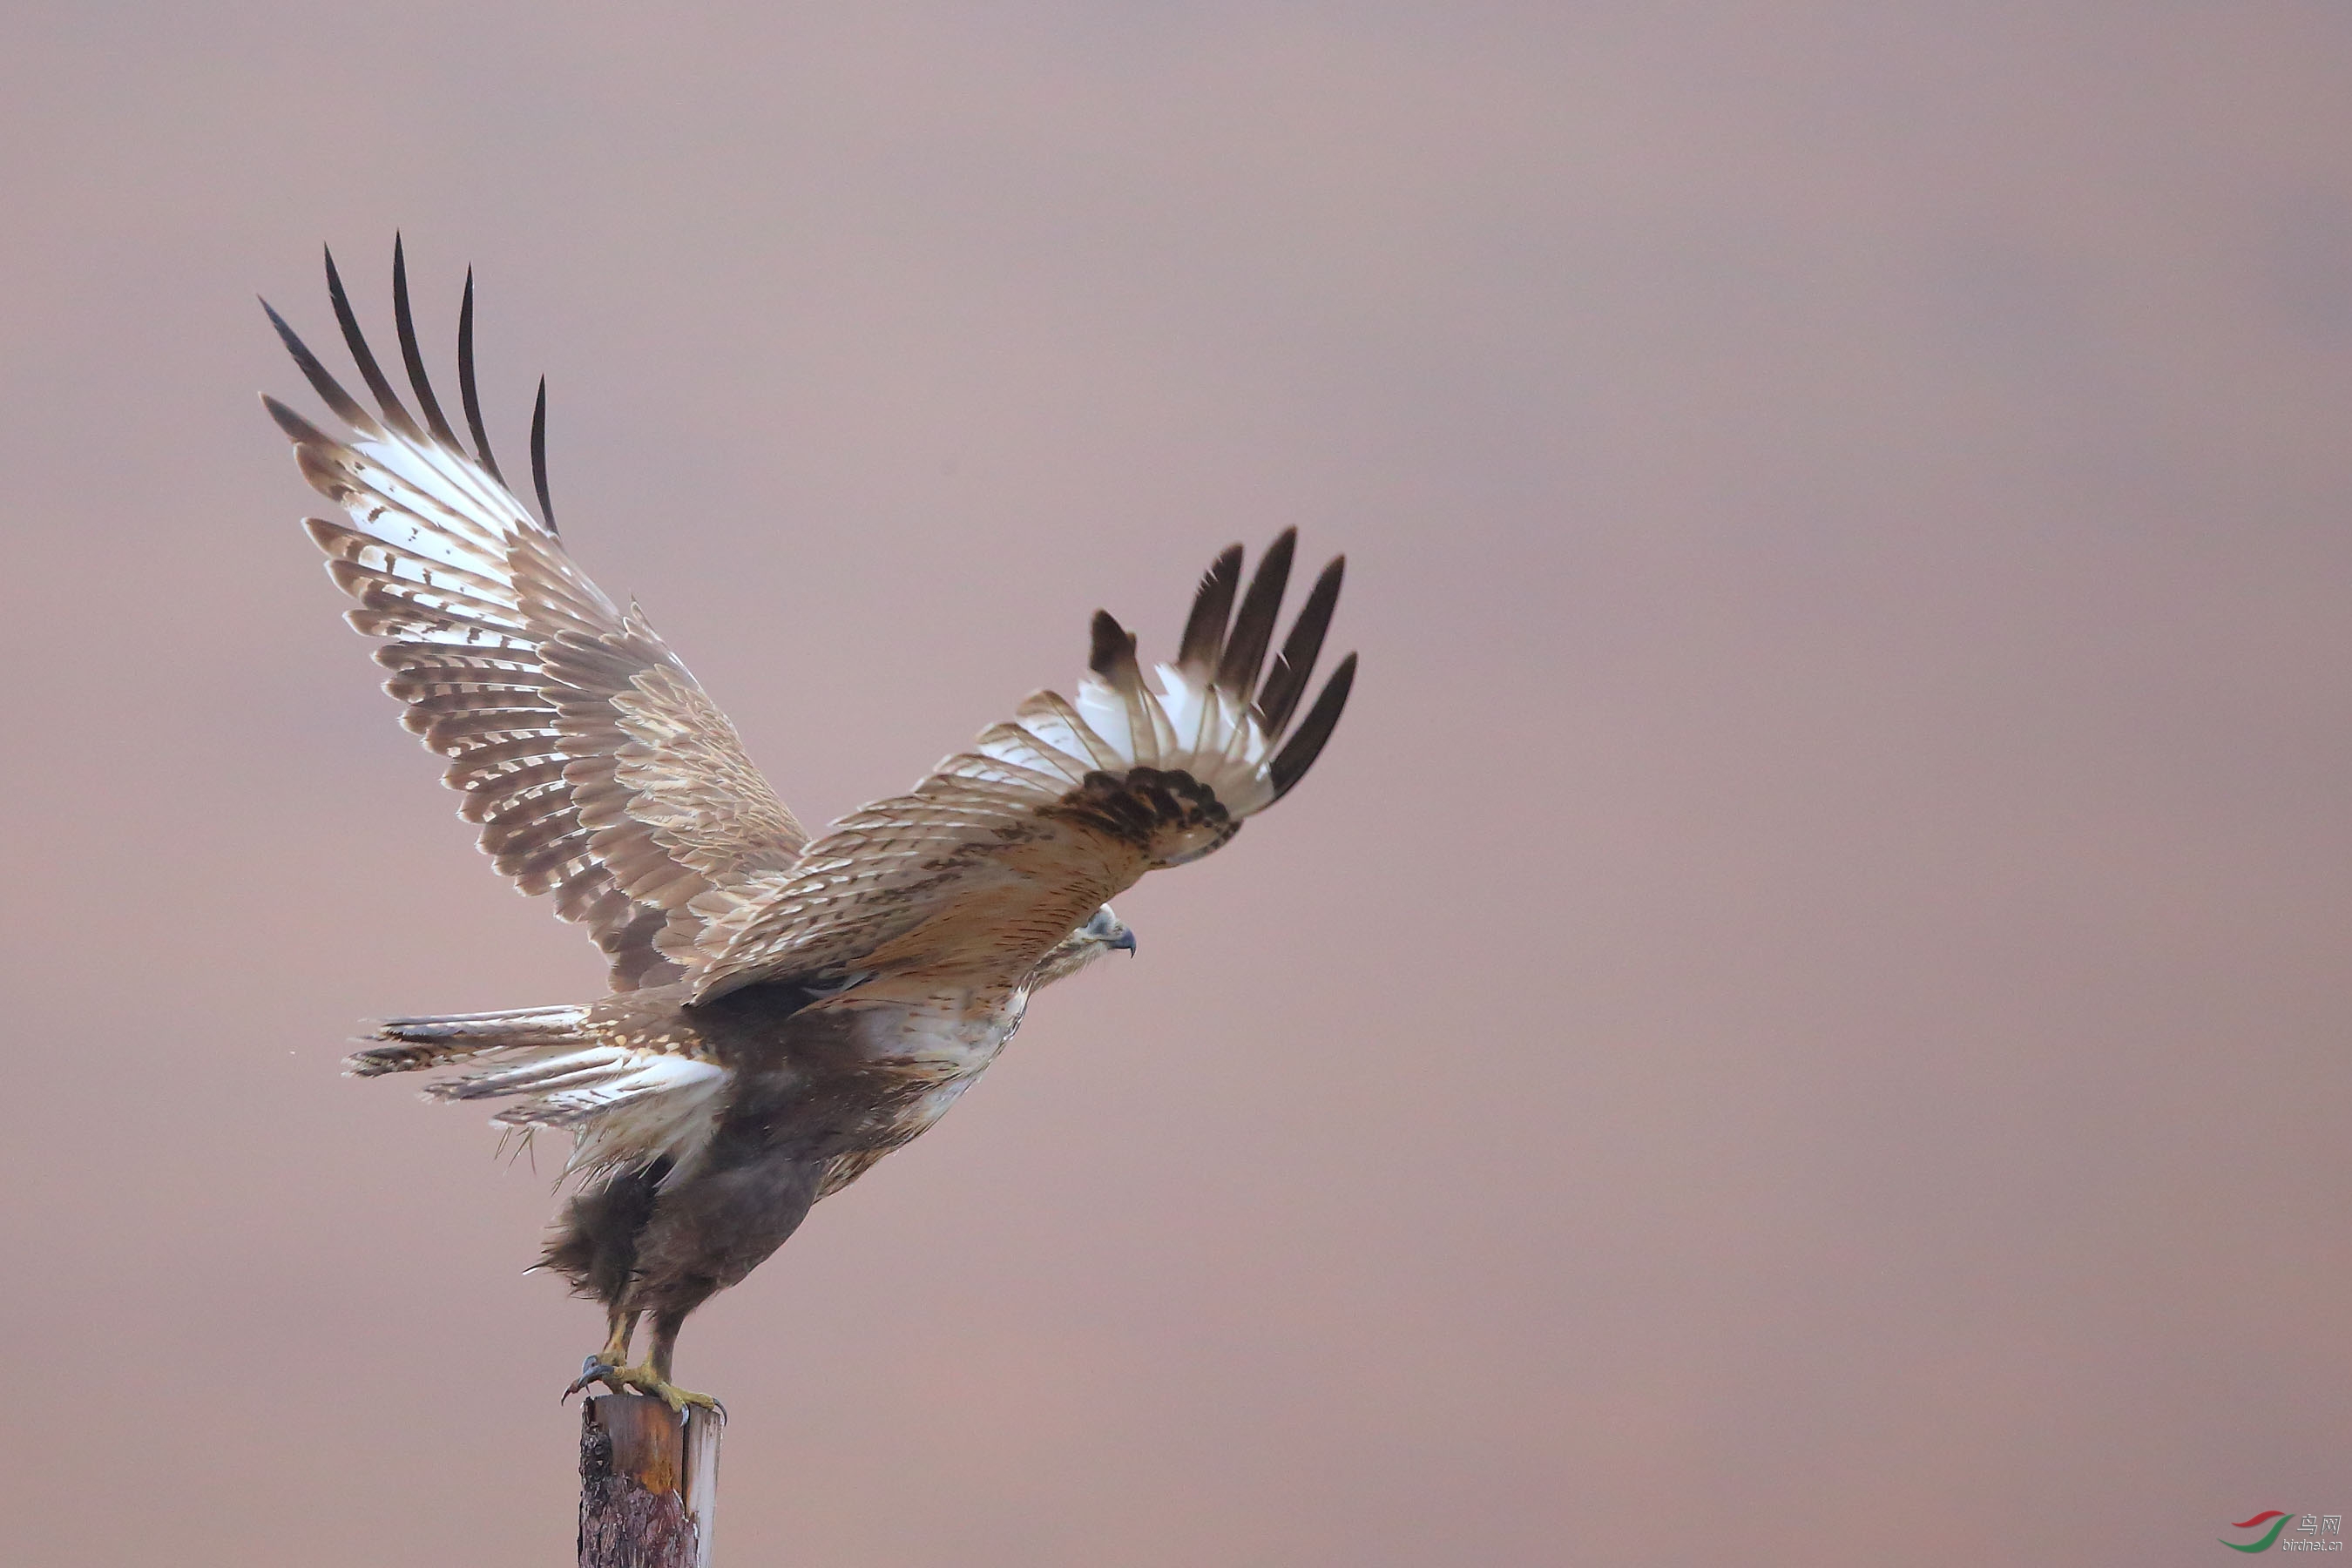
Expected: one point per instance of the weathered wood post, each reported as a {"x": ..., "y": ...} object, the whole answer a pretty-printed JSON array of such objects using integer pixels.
[{"x": 649, "y": 1483}]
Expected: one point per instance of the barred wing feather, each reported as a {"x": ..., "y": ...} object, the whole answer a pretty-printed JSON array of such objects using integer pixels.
[
  {"x": 596, "y": 767},
  {"x": 1005, "y": 848}
]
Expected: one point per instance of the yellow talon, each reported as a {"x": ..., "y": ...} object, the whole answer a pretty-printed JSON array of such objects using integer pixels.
[
  {"x": 610, "y": 1367},
  {"x": 644, "y": 1379}
]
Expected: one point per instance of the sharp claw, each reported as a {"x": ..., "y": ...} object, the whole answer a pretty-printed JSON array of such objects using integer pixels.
[
  {"x": 680, "y": 1402},
  {"x": 591, "y": 1370},
  {"x": 626, "y": 1379}
]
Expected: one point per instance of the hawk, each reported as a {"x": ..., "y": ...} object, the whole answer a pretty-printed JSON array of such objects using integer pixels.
[{"x": 783, "y": 1010}]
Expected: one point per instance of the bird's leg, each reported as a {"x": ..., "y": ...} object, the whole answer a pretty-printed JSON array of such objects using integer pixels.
[
  {"x": 617, "y": 1343},
  {"x": 666, "y": 1327},
  {"x": 599, "y": 1368},
  {"x": 652, "y": 1375}
]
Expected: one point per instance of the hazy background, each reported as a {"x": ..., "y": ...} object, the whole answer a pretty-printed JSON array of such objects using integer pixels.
[{"x": 1801, "y": 1019}]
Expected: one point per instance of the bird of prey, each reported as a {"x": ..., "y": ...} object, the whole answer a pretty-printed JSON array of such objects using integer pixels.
[{"x": 783, "y": 1010}]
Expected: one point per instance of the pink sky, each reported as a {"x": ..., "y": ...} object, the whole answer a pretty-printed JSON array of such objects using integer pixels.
[{"x": 1801, "y": 1019}]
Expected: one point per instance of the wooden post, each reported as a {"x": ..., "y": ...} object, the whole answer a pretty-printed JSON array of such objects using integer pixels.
[{"x": 648, "y": 1490}]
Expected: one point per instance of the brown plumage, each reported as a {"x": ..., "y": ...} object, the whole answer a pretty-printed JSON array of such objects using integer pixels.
[{"x": 784, "y": 1012}]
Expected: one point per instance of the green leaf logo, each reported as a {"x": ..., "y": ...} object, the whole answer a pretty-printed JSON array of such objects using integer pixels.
[{"x": 2271, "y": 1515}]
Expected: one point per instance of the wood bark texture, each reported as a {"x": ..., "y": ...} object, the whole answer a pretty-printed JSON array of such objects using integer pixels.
[{"x": 648, "y": 1484}]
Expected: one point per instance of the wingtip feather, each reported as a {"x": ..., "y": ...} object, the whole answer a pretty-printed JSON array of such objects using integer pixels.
[
  {"x": 412, "y": 356},
  {"x": 539, "y": 457},
  {"x": 1108, "y": 639},
  {"x": 1212, "y": 607},
  {"x": 1290, "y": 763},
  {"x": 1295, "y": 665},
  {"x": 298, "y": 431},
  {"x": 1253, "y": 622},
  {"x": 330, "y": 392},
  {"x": 395, "y": 413},
  {"x": 468, "y": 390}
]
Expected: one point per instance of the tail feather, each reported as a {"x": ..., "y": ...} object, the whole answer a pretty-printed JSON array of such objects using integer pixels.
[
  {"x": 623, "y": 1104},
  {"x": 415, "y": 1044}
]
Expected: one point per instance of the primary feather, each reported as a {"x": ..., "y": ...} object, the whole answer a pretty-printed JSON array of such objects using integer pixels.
[{"x": 597, "y": 768}]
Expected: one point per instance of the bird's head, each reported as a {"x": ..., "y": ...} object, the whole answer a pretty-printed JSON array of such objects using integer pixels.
[{"x": 1099, "y": 935}]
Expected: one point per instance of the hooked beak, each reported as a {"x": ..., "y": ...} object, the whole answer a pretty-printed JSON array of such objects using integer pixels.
[{"x": 1125, "y": 941}]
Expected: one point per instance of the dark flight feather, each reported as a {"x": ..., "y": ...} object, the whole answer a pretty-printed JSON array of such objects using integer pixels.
[
  {"x": 331, "y": 391},
  {"x": 1204, "y": 628},
  {"x": 467, "y": 388},
  {"x": 539, "y": 457},
  {"x": 1253, "y": 621},
  {"x": 411, "y": 355},
  {"x": 1113, "y": 659},
  {"x": 1298, "y": 754},
  {"x": 395, "y": 413},
  {"x": 1108, "y": 638},
  {"x": 1295, "y": 665},
  {"x": 299, "y": 430}
]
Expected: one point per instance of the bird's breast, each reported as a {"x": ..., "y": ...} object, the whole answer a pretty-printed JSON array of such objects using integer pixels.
[
  {"x": 871, "y": 1069},
  {"x": 936, "y": 1034}
]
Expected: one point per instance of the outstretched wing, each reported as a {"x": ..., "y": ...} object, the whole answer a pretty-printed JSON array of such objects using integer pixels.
[
  {"x": 1004, "y": 848},
  {"x": 596, "y": 767}
]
